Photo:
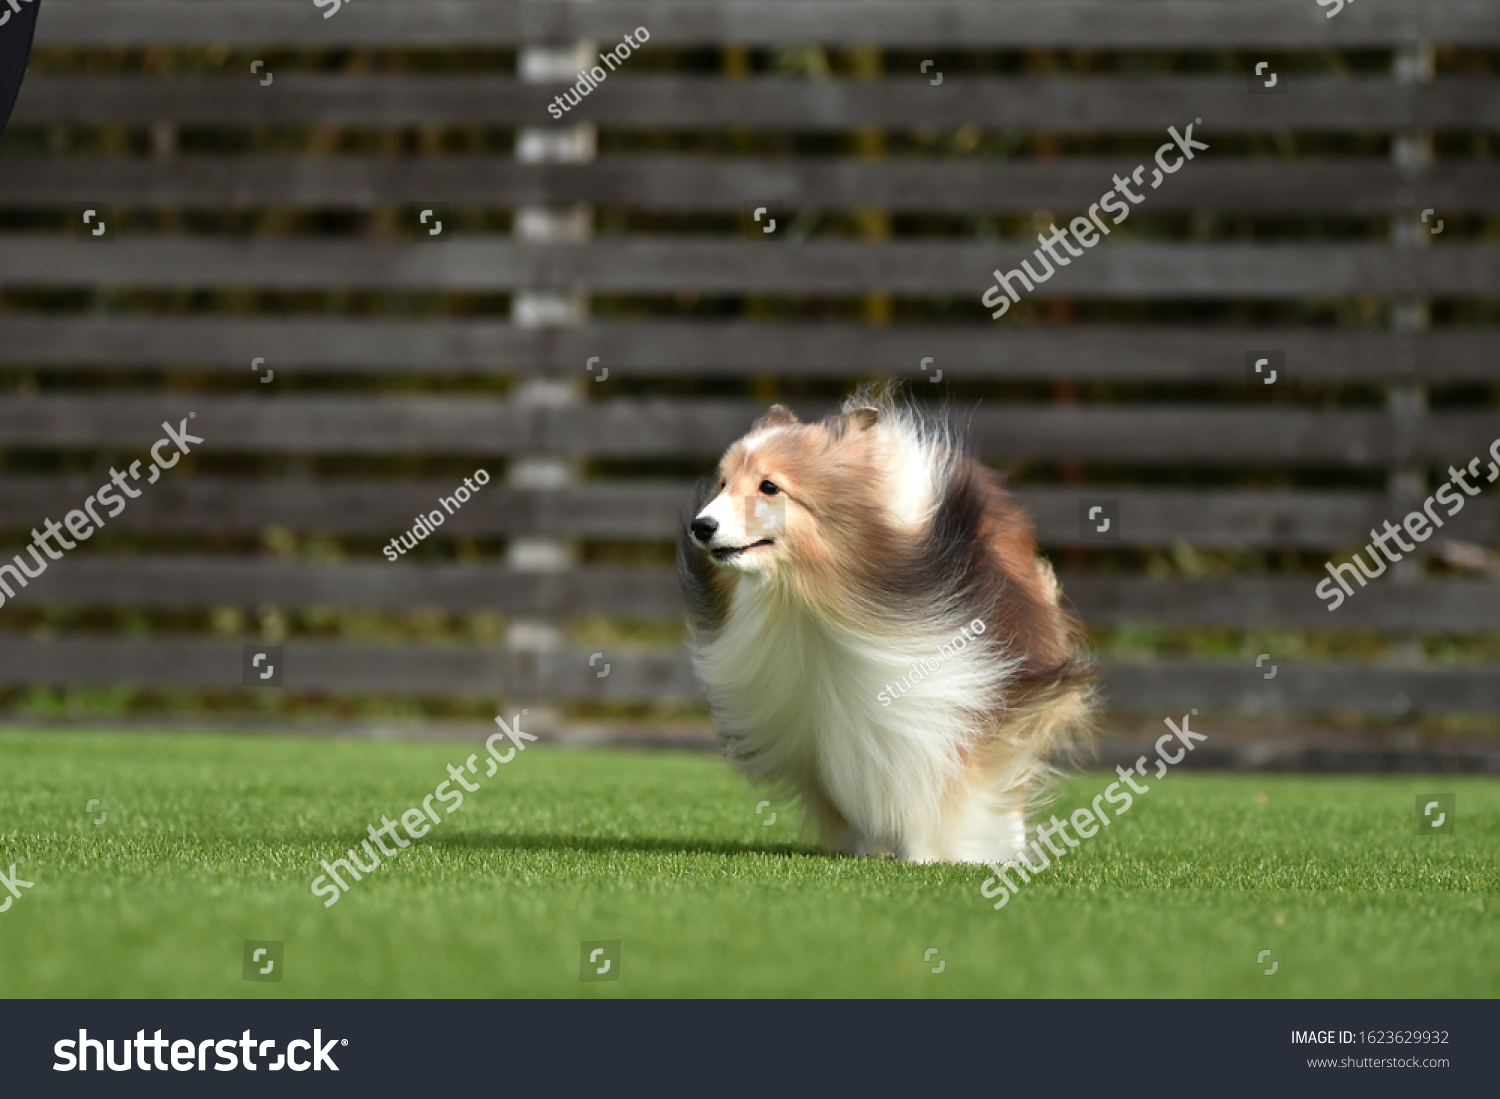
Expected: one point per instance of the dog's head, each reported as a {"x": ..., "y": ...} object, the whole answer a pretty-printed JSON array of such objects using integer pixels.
[{"x": 788, "y": 494}]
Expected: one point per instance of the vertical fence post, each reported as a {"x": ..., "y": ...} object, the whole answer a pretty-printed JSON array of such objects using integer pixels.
[
  {"x": 532, "y": 638},
  {"x": 1406, "y": 399}
]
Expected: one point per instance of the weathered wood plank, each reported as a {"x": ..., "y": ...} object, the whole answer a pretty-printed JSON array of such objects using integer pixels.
[
  {"x": 1170, "y": 685},
  {"x": 1092, "y": 104},
  {"x": 702, "y": 429},
  {"x": 900, "y": 23},
  {"x": 1245, "y": 518},
  {"x": 311, "y": 665},
  {"x": 651, "y": 510},
  {"x": 379, "y": 508},
  {"x": 1317, "y": 687},
  {"x": 735, "y": 348},
  {"x": 671, "y": 184},
  {"x": 1289, "y": 601},
  {"x": 1114, "y": 270},
  {"x": 184, "y": 582},
  {"x": 625, "y": 510}
]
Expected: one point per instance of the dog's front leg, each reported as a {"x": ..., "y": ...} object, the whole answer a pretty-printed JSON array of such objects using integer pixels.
[{"x": 835, "y": 834}]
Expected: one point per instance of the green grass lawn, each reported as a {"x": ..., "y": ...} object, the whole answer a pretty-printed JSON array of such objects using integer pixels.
[{"x": 212, "y": 840}]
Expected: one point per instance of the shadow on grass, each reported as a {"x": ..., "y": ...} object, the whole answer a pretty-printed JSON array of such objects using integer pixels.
[
  {"x": 471, "y": 841},
  {"x": 623, "y": 844}
]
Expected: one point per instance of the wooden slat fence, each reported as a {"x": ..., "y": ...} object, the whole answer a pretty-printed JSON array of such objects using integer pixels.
[{"x": 393, "y": 358}]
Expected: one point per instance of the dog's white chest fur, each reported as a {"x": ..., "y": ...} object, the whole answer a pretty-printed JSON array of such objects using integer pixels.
[{"x": 799, "y": 703}]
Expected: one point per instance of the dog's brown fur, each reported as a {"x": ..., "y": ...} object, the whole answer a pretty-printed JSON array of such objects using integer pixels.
[{"x": 847, "y": 559}]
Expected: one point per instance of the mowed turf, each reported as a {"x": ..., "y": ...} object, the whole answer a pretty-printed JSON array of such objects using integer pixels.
[{"x": 212, "y": 840}]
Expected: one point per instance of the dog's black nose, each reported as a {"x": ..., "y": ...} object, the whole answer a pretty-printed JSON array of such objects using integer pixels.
[{"x": 703, "y": 528}]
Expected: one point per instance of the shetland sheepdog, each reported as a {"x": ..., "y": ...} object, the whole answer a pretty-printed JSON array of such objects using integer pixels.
[{"x": 876, "y": 634}]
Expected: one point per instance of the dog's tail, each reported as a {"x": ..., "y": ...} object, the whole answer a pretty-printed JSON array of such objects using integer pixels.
[{"x": 1051, "y": 722}]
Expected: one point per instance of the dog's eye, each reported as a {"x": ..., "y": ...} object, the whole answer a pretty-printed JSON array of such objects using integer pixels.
[{"x": 769, "y": 488}]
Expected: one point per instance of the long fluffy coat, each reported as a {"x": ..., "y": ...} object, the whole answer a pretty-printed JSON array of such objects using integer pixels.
[{"x": 875, "y": 632}]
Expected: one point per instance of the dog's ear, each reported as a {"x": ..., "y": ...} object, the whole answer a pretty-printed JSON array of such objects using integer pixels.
[
  {"x": 706, "y": 488},
  {"x": 840, "y": 424},
  {"x": 777, "y": 416}
]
